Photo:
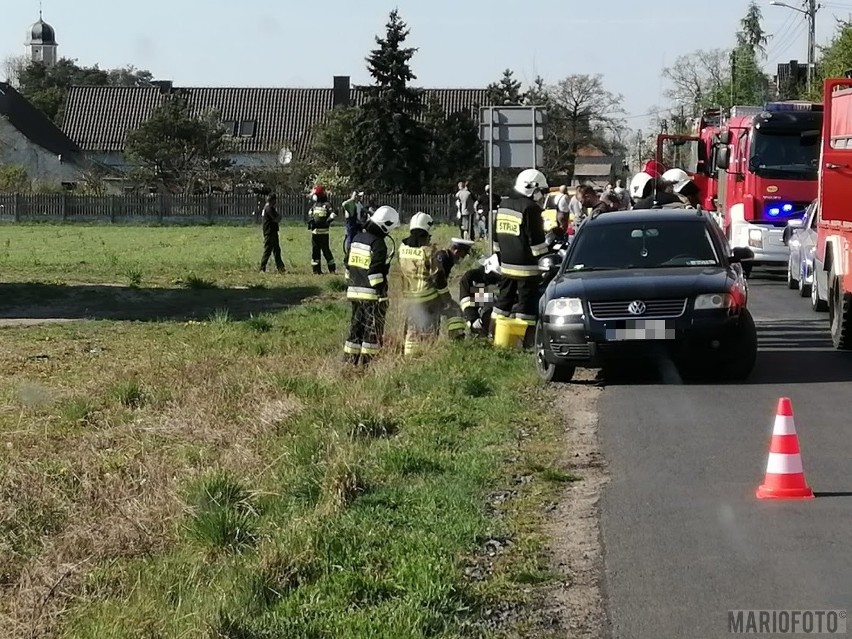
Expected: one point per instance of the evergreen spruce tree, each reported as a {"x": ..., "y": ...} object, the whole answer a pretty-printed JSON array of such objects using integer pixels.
[{"x": 391, "y": 156}]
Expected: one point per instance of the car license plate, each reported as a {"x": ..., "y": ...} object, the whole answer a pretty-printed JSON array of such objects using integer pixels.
[{"x": 639, "y": 329}]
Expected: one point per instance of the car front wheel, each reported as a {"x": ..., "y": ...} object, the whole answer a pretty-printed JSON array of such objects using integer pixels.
[
  {"x": 548, "y": 372},
  {"x": 792, "y": 284}
]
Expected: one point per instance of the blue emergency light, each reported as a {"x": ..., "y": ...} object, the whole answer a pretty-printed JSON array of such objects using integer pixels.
[
  {"x": 778, "y": 209},
  {"x": 791, "y": 106}
]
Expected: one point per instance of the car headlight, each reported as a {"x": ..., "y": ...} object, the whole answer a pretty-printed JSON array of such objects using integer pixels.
[
  {"x": 564, "y": 307},
  {"x": 755, "y": 238},
  {"x": 713, "y": 301}
]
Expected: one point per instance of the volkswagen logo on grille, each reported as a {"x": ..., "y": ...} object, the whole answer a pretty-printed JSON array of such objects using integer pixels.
[{"x": 636, "y": 307}]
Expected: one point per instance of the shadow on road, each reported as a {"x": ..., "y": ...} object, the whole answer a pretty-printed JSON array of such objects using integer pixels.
[
  {"x": 833, "y": 494},
  {"x": 790, "y": 352},
  {"x": 38, "y": 301},
  {"x": 799, "y": 352}
]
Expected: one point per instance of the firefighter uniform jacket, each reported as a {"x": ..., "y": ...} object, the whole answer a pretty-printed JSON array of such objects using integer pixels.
[
  {"x": 420, "y": 271},
  {"x": 368, "y": 266},
  {"x": 319, "y": 218},
  {"x": 519, "y": 233},
  {"x": 472, "y": 281}
]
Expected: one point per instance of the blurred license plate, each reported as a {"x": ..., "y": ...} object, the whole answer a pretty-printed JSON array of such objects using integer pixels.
[{"x": 639, "y": 329}]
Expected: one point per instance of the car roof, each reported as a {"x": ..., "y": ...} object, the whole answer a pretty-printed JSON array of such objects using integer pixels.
[{"x": 647, "y": 215}]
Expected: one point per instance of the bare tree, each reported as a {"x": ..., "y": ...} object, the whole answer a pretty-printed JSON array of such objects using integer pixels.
[
  {"x": 581, "y": 108},
  {"x": 13, "y": 65},
  {"x": 696, "y": 77}
]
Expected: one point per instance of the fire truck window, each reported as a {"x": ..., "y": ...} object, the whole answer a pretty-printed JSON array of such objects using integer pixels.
[{"x": 787, "y": 151}]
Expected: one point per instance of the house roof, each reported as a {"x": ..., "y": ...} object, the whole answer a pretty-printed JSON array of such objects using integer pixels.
[
  {"x": 99, "y": 118},
  {"x": 35, "y": 125},
  {"x": 586, "y": 169},
  {"x": 590, "y": 151}
]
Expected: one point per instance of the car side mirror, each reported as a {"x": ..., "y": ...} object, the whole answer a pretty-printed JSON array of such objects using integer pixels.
[
  {"x": 796, "y": 223},
  {"x": 723, "y": 158},
  {"x": 741, "y": 253}
]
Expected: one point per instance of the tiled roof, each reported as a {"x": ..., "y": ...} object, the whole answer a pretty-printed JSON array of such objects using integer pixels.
[
  {"x": 35, "y": 125},
  {"x": 98, "y": 118}
]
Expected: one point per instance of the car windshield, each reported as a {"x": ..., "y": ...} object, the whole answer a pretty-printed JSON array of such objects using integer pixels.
[
  {"x": 789, "y": 155},
  {"x": 643, "y": 245}
]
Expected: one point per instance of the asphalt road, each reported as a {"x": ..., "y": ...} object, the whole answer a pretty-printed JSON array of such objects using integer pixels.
[{"x": 684, "y": 538}]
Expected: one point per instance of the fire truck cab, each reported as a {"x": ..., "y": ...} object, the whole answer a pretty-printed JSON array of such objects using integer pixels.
[{"x": 767, "y": 159}]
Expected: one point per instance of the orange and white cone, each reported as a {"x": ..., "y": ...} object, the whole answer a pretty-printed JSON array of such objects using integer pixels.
[{"x": 785, "y": 477}]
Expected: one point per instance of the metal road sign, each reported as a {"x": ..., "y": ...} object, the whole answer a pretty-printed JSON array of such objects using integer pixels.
[{"x": 515, "y": 135}]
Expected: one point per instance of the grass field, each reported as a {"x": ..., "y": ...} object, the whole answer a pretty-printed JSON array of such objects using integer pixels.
[{"x": 191, "y": 459}]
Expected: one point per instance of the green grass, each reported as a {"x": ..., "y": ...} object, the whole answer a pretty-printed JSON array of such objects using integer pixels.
[{"x": 217, "y": 472}]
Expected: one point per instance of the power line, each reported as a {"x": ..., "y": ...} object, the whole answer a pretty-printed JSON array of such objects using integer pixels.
[
  {"x": 778, "y": 39},
  {"x": 792, "y": 41}
]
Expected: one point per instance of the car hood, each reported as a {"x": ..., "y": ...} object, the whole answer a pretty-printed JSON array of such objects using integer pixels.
[{"x": 659, "y": 283}]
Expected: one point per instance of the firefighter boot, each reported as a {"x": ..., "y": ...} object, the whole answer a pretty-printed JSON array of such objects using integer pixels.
[
  {"x": 351, "y": 359},
  {"x": 317, "y": 269},
  {"x": 332, "y": 267}
]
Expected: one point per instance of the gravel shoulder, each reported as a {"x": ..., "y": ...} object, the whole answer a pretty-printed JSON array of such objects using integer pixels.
[{"x": 576, "y": 603}]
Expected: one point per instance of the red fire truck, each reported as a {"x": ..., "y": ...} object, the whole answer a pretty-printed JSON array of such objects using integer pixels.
[
  {"x": 832, "y": 286},
  {"x": 767, "y": 159},
  {"x": 757, "y": 168},
  {"x": 695, "y": 154}
]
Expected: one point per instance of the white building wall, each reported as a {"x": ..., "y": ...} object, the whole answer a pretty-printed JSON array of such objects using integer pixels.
[{"x": 40, "y": 164}]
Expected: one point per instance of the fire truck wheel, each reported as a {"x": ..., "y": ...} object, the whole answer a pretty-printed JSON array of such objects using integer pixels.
[{"x": 839, "y": 312}]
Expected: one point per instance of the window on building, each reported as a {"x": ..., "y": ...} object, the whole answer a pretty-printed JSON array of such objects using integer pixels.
[
  {"x": 230, "y": 127},
  {"x": 247, "y": 128}
]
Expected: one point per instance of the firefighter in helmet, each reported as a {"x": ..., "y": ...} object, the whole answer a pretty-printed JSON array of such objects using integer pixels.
[
  {"x": 476, "y": 296},
  {"x": 425, "y": 290},
  {"x": 320, "y": 218},
  {"x": 368, "y": 265},
  {"x": 684, "y": 188},
  {"x": 519, "y": 231}
]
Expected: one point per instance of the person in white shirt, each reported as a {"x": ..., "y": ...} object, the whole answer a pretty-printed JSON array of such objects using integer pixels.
[{"x": 563, "y": 208}]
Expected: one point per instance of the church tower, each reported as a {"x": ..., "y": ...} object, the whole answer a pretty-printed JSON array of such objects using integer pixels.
[{"x": 41, "y": 41}]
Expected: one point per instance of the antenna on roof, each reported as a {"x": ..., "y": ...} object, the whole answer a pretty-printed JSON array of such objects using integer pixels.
[{"x": 40, "y": 8}]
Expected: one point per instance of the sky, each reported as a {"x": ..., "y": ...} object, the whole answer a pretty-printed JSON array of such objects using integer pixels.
[{"x": 462, "y": 43}]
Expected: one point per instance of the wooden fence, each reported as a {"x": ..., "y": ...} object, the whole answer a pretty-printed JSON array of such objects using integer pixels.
[{"x": 191, "y": 209}]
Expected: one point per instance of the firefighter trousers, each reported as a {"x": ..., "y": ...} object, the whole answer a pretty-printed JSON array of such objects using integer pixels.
[
  {"x": 518, "y": 299},
  {"x": 320, "y": 248},
  {"x": 271, "y": 247},
  {"x": 366, "y": 331},
  {"x": 423, "y": 324}
]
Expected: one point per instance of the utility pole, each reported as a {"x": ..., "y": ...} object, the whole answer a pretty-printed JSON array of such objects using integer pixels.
[
  {"x": 812, "y": 10},
  {"x": 810, "y": 13}
]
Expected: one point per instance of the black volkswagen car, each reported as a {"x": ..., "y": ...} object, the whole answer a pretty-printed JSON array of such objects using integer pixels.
[{"x": 644, "y": 284}]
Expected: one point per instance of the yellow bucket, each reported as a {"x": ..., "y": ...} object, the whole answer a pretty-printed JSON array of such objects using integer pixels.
[{"x": 509, "y": 333}]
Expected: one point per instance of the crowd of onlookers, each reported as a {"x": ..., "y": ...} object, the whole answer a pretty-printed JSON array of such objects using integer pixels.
[{"x": 572, "y": 205}]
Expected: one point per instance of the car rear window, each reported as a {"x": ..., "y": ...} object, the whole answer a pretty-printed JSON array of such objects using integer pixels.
[{"x": 660, "y": 244}]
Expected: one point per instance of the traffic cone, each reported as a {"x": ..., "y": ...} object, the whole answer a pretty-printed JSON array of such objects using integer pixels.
[{"x": 785, "y": 478}]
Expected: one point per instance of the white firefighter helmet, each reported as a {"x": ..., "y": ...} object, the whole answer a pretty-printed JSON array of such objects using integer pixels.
[
  {"x": 422, "y": 221},
  {"x": 492, "y": 264},
  {"x": 638, "y": 184},
  {"x": 531, "y": 183},
  {"x": 678, "y": 177},
  {"x": 386, "y": 218}
]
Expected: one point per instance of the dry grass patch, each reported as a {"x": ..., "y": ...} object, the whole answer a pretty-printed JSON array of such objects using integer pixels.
[{"x": 230, "y": 477}]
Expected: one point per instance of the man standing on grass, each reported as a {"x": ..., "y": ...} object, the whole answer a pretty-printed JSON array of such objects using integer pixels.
[
  {"x": 368, "y": 265},
  {"x": 271, "y": 245}
]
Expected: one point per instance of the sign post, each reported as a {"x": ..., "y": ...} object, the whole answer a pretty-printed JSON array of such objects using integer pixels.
[{"x": 513, "y": 137}]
